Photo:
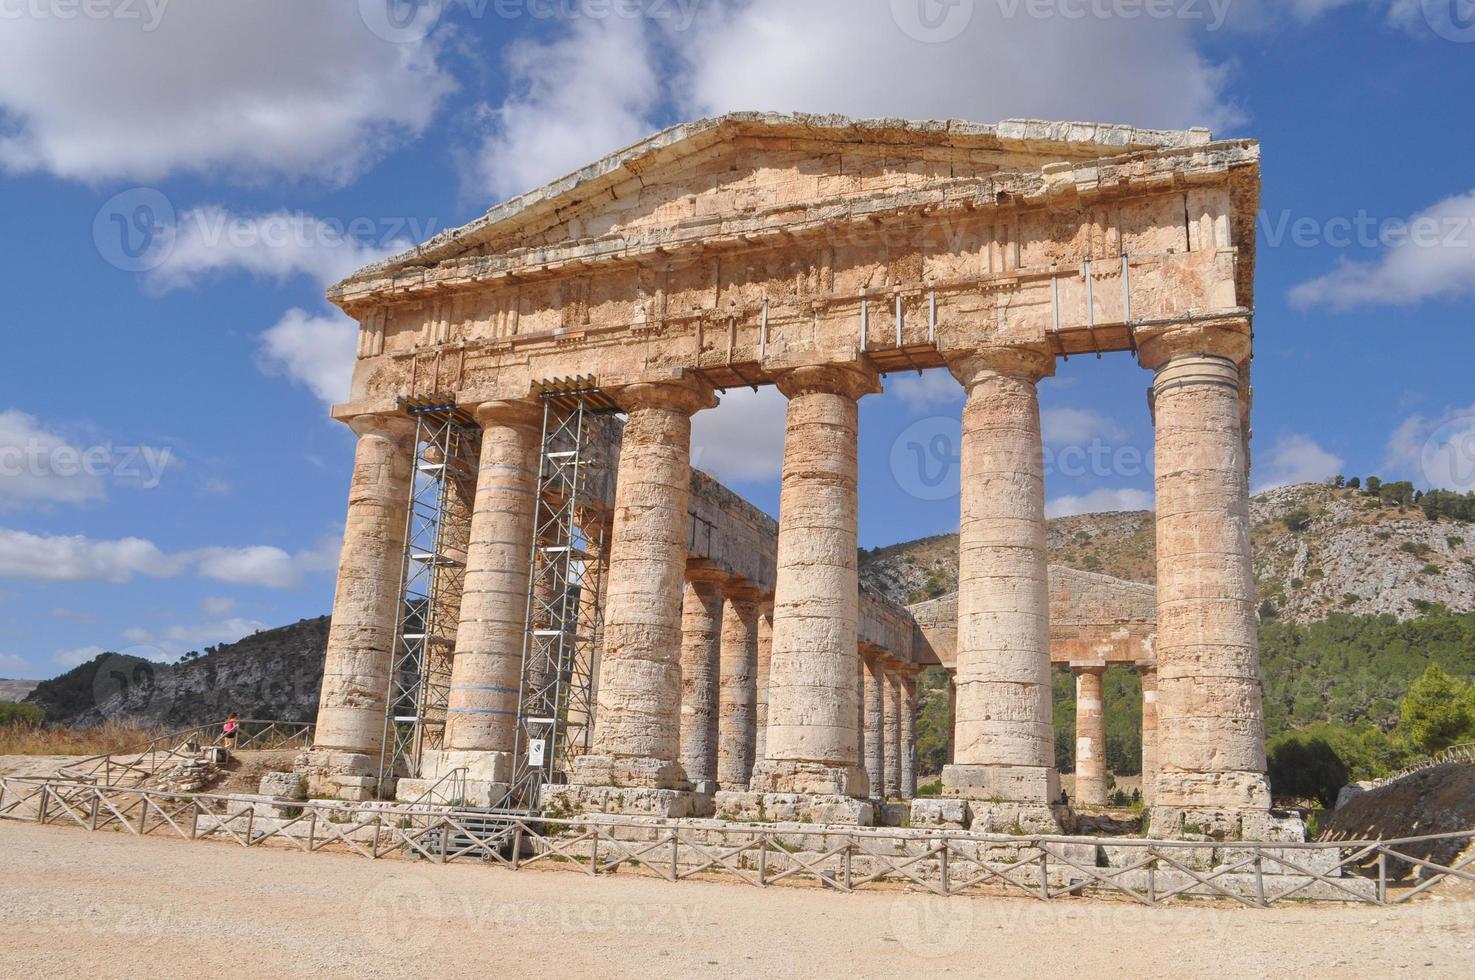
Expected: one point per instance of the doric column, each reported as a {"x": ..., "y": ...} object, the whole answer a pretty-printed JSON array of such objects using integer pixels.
[
  {"x": 952, "y": 719},
  {"x": 813, "y": 744},
  {"x": 909, "y": 735},
  {"x": 1211, "y": 761},
  {"x": 348, "y": 740},
  {"x": 874, "y": 702},
  {"x": 637, "y": 726},
  {"x": 1005, "y": 743},
  {"x": 736, "y": 722},
  {"x": 1147, "y": 674},
  {"x": 701, "y": 651},
  {"x": 892, "y": 738},
  {"x": 760, "y": 711},
  {"x": 485, "y": 673},
  {"x": 1090, "y": 736}
]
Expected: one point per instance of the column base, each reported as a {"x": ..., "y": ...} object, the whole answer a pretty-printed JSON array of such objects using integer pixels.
[
  {"x": 571, "y": 800},
  {"x": 1219, "y": 805},
  {"x": 1012, "y": 784},
  {"x": 794, "y": 808},
  {"x": 991, "y": 816},
  {"x": 480, "y": 764},
  {"x": 808, "y": 778},
  {"x": 338, "y": 774},
  {"x": 618, "y": 772}
]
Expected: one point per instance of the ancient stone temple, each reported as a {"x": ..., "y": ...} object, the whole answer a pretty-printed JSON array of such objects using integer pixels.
[{"x": 816, "y": 254}]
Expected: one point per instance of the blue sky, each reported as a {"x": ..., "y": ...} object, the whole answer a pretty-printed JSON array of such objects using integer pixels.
[{"x": 179, "y": 182}]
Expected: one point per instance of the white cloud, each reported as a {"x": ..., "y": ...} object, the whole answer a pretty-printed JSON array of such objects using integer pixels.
[
  {"x": 176, "y": 640},
  {"x": 318, "y": 351},
  {"x": 1431, "y": 256},
  {"x": 1099, "y": 501},
  {"x": 1295, "y": 458},
  {"x": 269, "y": 87},
  {"x": 741, "y": 440},
  {"x": 574, "y": 99},
  {"x": 1077, "y": 427},
  {"x": 76, "y": 558},
  {"x": 11, "y": 664},
  {"x": 77, "y": 657},
  {"x": 598, "y": 84},
  {"x": 209, "y": 240},
  {"x": 215, "y": 605},
  {"x": 39, "y": 466},
  {"x": 1437, "y": 453},
  {"x": 927, "y": 390}
]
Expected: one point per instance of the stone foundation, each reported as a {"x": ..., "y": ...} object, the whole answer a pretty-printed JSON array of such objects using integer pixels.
[
  {"x": 797, "y": 808},
  {"x": 809, "y": 778},
  {"x": 1024, "y": 784},
  {"x": 474, "y": 793},
  {"x": 560, "y": 801},
  {"x": 622, "y": 773},
  {"x": 338, "y": 775},
  {"x": 990, "y": 816}
]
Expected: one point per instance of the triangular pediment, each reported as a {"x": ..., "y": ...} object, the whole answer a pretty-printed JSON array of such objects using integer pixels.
[{"x": 764, "y": 163}]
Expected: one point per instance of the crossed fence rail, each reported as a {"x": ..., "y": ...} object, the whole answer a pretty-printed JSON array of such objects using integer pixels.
[
  {"x": 1462, "y": 753},
  {"x": 137, "y": 765},
  {"x": 1148, "y": 872}
]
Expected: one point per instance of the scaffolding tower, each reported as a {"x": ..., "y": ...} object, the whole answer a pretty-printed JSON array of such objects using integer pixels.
[
  {"x": 565, "y": 590},
  {"x": 432, "y": 576}
]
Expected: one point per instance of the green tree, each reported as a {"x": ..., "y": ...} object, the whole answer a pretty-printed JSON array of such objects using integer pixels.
[
  {"x": 1435, "y": 713},
  {"x": 15, "y": 713},
  {"x": 1306, "y": 768}
]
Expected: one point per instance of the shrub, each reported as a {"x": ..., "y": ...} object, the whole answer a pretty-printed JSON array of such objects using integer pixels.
[
  {"x": 1306, "y": 768},
  {"x": 1297, "y": 520},
  {"x": 15, "y": 714}
]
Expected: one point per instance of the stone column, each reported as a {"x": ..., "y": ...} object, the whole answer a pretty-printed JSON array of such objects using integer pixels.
[
  {"x": 952, "y": 720},
  {"x": 486, "y": 671},
  {"x": 874, "y": 702},
  {"x": 1211, "y": 763},
  {"x": 736, "y": 723},
  {"x": 637, "y": 727},
  {"x": 813, "y": 745},
  {"x": 892, "y": 738},
  {"x": 1005, "y": 742},
  {"x": 909, "y": 736},
  {"x": 349, "y": 738},
  {"x": 760, "y": 710},
  {"x": 701, "y": 646},
  {"x": 1147, "y": 674},
  {"x": 1090, "y": 736}
]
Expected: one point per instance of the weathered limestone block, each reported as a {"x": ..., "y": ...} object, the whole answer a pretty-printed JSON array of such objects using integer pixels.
[
  {"x": 1017, "y": 818},
  {"x": 813, "y": 693},
  {"x": 947, "y": 813},
  {"x": 557, "y": 800},
  {"x": 797, "y": 808},
  {"x": 640, "y": 669},
  {"x": 737, "y": 721},
  {"x": 1090, "y": 737},
  {"x": 485, "y": 674},
  {"x": 284, "y": 785},
  {"x": 1004, "y": 745},
  {"x": 701, "y": 638}
]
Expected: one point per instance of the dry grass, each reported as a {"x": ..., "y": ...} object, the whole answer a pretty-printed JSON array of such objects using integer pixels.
[{"x": 112, "y": 737}]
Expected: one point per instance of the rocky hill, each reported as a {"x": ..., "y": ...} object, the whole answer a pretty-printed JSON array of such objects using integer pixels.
[
  {"x": 1317, "y": 550},
  {"x": 273, "y": 674},
  {"x": 15, "y": 690}
]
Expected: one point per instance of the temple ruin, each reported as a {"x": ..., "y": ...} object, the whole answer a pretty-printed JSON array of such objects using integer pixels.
[{"x": 698, "y": 657}]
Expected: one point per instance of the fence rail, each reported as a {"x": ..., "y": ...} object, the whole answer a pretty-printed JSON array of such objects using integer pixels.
[
  {"x": 1464, "y": 752},
  {"x": 134, "y": 766},
  {"x": 1148, "y": 872}
]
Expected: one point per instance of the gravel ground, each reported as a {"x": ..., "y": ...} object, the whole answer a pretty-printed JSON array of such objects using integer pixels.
[{"x": 106, "y": 905}]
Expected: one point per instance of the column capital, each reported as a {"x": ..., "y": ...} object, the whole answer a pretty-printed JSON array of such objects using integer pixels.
[
  {"x": 1024, "y": 363},
  {"x": 1227, "y": 339},
  {"x": 851, "y": 380},
  {"x": 1078, "y": 669},
  {"x": 390, "y": 426},
  {"x": 741, "y": 590},
  {"x": 519, "y": 414},
  {"x": 700, "y": 571},
  {"x": 687, "y": 395},
  {"x": 1145, "y": 668}
]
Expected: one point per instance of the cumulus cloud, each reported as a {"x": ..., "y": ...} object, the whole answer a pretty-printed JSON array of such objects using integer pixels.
[
  {"x": 11, "y": 664},
  {"x": 317, "y": 351},
  {"x": 930, "y": 389},
  {"x": 1437, "y": 452},
  {"x": 40, "y": 466},
  {"x": 1077, "y": 427},
  {"x": 1431, "y": 256},
  {"x": 176, "y": 640},
  {"x": 269, "y": 87},
  {"x": 1099, "y": 501},
  {"x": 215, "y": 605},
  {"x": 1295, "y": 458},
  {"x": 742, "y": 440},
  {"x": 77, "y": 558},
  {"x": 77, "y": 657},
  {"x": 597, "y": 84}
]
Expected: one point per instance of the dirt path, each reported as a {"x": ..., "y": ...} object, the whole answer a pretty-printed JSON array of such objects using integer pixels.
[{"x": 106, "y": 904}]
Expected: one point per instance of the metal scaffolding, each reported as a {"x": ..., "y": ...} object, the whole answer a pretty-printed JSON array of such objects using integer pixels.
[
  {"x": 565, "y": 598},
  {"x": 437, "y": 532}
]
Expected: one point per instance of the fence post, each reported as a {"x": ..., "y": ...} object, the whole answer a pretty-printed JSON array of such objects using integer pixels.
[
  {"x": 1044, "y": 875},
  {"x": 763, "y": 859},
  {"x": 1382, "y": 877},
  {"x": 942, "y": 865},
  {"x": 1259, "y": 878},
  {"x": 594, "y": 852}
]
